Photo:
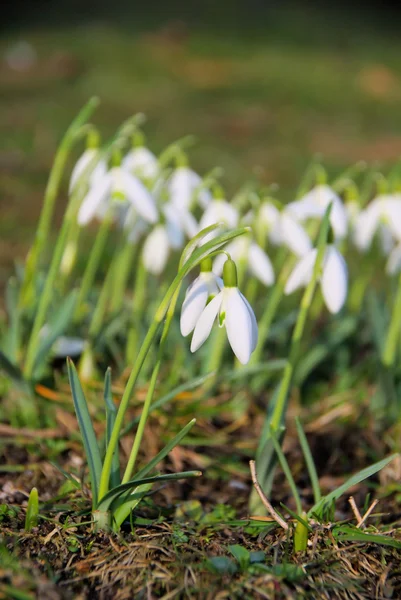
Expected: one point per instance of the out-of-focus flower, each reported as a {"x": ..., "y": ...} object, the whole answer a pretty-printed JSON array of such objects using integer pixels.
[
  {"x": 382, "y": 215},
  {"x": 244, "y": 250},
  {"x": 166, "y": 236},
  {"x": 314, "y": 205},
  {"x": 234, "y": 312},
  {"x": 185, "y": 188},
  {"x": 117, "y": 187},
  {"x": 140, "y": 161},
  {"x": 218, "y": 211},
  {"x": 284, "y": 229},
  {"x": 333, "y": 278}
]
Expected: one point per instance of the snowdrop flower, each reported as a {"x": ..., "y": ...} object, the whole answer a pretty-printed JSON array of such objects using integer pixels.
[
  {"x": 218, "y": 211},
  {"x": 283, "y": 229},
  {"x": 141, "y": 162},
  {"x": 118, "y": 185},
  {"x": 184, "y": 187},
  {"x": 314, "y": 205},
  {"x": 202, "y": 290},
  {"x": 383, "y": 215},
  {"x": 333, "y": 278},
  {"x": 257, "y": 261},
  {"x": 233, "y": 311},
  {"x": 165, "y": 237},
  {"x": 90, "y": 156}
]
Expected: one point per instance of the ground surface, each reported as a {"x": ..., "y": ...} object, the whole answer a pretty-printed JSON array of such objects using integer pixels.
[{"x": 260, "y": 103}]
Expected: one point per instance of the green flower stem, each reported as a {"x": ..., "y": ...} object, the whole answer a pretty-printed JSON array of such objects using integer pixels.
[
  {"x": 124, "y": 259},
  {"x": 188, "y": 262},
  {"x": 101, "y": 304},
  {"x": 92, "y": 266},
  {"x": 270, "y": 311},
  {"x": 279, "y": 408},
  {"x": 123, "y": 511},
  {"x": 393, "y": 333},
  {"x": 47, "y": 293},
  {"x": 138, "y": 303},
  {"x": 52, "y": 189}
]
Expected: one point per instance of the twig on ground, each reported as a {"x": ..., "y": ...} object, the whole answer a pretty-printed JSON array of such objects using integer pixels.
[{"x": 265, "y": 501}]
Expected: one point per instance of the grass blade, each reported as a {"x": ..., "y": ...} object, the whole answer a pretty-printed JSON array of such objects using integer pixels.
[
  {"x": 111, "y": 412},
  {"x": 310, "y": 463},
  {"x": 319, "y": 507},
  {"x": 86, "y": 428},
  {"x": 106, "y": 501},
  {"x": 287, "y": 471},
  {"x": 32, "y": 511}
]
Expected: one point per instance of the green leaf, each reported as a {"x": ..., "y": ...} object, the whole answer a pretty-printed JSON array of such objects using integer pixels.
[
  {"x": 221, "y": 565},
  {"x": 11, "y": 341},
  {"x": 105, "y": 502},
  {"x": 241, "y": 555},
  {"x": 91, "y": 447},
  {"x": 111, "y": 412},
  {"x": 165, "y": 451},
  {"x": 320, "y": 506},
  {"x": 310, "y": 463},
  {"x": 10, "y": 369},
  {"x": 56, "y": 326},
  {"x": 352, "y": 534},
  {"x": 32, "y": 511}
]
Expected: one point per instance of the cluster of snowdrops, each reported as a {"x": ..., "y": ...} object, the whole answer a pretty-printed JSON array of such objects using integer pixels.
[{"x": 162, "y": 209}]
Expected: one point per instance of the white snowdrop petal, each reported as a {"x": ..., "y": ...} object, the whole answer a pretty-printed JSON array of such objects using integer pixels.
[
  {"x": 142, "y": 162},
  {"x": 260, "y": 265},
  {"x": 334, "y": 280},
  {"x": 193, "y": 305},
  {"x": 94, "y": 199},
  {"x": 156, "y": 250},
  {"x": 294, "y": 236},
  {"x": 365, "y": 227},
  {"x": 301, "y": 273},
  {"x": 386, "y": 238},
  {"x": 205, "y": 322},
  {"x": 253, "y": 321},
  {"x": 392, "y": 210},
  {"x": 189, "y": 224},
  {"x": 80, "y": 166},
  {"x": 139, "y": 196},
  {"x": 239, "y": 325},
  {"x": 68, "y": 346},
  {"x": 338, "y": 219}
]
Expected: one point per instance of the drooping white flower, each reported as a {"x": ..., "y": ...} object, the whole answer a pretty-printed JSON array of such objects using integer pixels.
[
  {"x": 218, "y": 211},
  {"x": 117, "y": 185},
  {"x": 333, "y": 278},
  {"x": 140, "y": 161},
  {"x": 203, "y": 289},
  {"x": 382, "y": 215},
  {"x": 162, "y": 239},
  {"x": 88, "y": 157},
  {"x": 284, "y": 229},
  {"x": 234, "y": 312},
  {"x": 314, "y": 205},
  {"x": 185, "y": 188},
  {"x": 245, "y": 250}
]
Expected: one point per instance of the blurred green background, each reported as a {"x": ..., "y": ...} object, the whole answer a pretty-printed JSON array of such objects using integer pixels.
[{"x": 263, "y": 88}]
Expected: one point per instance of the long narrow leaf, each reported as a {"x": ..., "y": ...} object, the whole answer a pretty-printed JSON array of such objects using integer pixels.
[
  {"x": 86, "y": 428},
  {"x": 318, "y": 508},
  {"x": 165, "y": 451},
  {"x": 111, "y": 412},
  {"x": 106, "y": 501},
  {"x": 352, "y": 534},
  {"x": 310, "y": 463},
  {"x": 287, "y": 471}
]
